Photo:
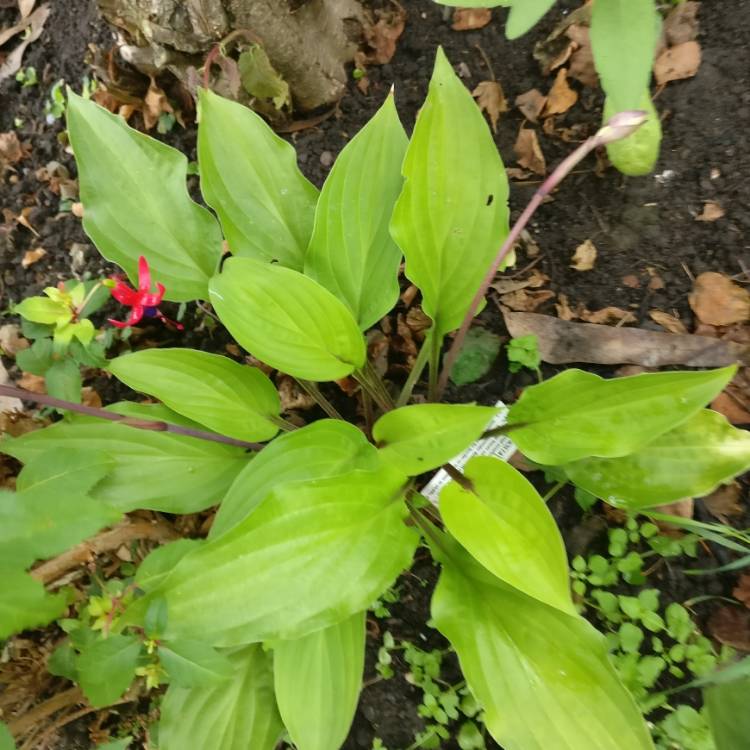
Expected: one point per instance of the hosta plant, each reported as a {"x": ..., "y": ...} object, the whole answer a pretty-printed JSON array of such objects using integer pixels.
[{"x": 259, "y": 629}]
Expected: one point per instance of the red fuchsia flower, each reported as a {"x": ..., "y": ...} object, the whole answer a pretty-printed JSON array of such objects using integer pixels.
[{"x": 143, "y": 303}]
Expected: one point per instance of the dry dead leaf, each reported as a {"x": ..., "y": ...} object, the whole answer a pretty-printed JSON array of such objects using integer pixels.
[
  {"x": 584, "y": 257},
  {"x": 11, "y": 340},
  {"x": 731, "y": 626},
  {"x": 564, "y": 310},
  {"x": 525, "y": 301},
  {"x": 90, "y": 397},
  {"x": 292, "y": 396},
  {"x": 11, "y": 150},
  {"x": 77, "y": 210},
  {"x": 418, "y": 321},
  {"x": 32, "y": 256},
  {"x": 717, "y": 301},
  {"x": 724, "y": 501},
  {"x": 582, "y": 57},
  {"x": 382, "y": 37},
  {"x": 561, "y": 97},
  {"x": 155, "y": 104},
  {"x": 8, "y": 404},
  {"x": 631, "y": 281},
  {"x": 655, "y": 282},
  {"x": 681, "y": 508},
  {"x": 531, "y": 104},
  {"x": 681, "y": 23},
  {"x": 36, "y": 22},
  {"x": 529, "y": 244},
  {"x": 467, "y": 19},
  {"x": 678, "y": 62},
  {"x": 608, "y": 315},
  {"x": 409, "y": 295},
  {"x": 667, "y": 321},
  {"x": 727, "y": 405},
  {"x": 33, "y": 383},
  {"x": 711, "y": 212},
  {"x": 741, "y": 591},
  {"x": 377, "y": 350},
  {"x": 528, "y": 152},
  {"x": 490, "y": 98}
]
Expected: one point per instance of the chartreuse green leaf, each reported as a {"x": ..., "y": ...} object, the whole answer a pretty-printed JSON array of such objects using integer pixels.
[
  {"x": 417, "y": 438},
  {"x": 318, "y": 679},
  {"x": 229, "y": 398},
  {"x": 689, "y": 461},
  {"x": 728, "y": 716},
  {"x": 160, "y": 562},
  {"x": 136, "y": 202},
  {"x": 637, "y": 154},
  {"x": 287, "y": 320},
  {"x": 326, "y": 448},
  {"x": 623, "y": 39},
  {"x": 543, "y": 677},
  {"x": 69, "y": 471},
  {"x": 237, "y": 714},
  {"x": 6, "y": 738},
  {"x": 107, "y": 667},
  {"x": 151, "y": 470},
  {"x": 24, "y": 603},
  {"x": 452, "y": 214},
  {"x": 524, "y": 14},
  {"x": 311, "y": 554},
  {"x": 351, "y": 252},
  {"x": 577, "y": 414},
  {"x": 194, "y": 663},
  {"x": 502, "y": 521},
  {"x": 249, "y": 176}
]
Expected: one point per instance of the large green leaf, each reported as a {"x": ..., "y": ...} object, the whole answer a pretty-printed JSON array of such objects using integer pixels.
[
  {"x": 24, "y": 603},
  {"x": 237, "y": 714},
  {"x": 543, "y": 677},
  {"x": 194, "y": 663},
  {"x": 325, "y": 448},
  {"x": 688, "y": 461},
  {"x": 421, "y": 437},
  {"x": 318, "y": 679},
  {"x": 136, "y": 202},
  {"x": 309, "y": 556},
  {"x": 452, "y": 214},
  {"x": 6, "y": 738},
  {"x": 287, "y": 320},
  {"x": 107, "y": 667},
  {"x": 728, "y": 716},
  {"x": 351, "y": 252},
  {"x": 501, "y": 520},
  {"x": 524, "y": 14},
  {"x": 249, "y": 176},
  {"x": 227, "y": 397},
  {"x": 151, "y": 470},
  {"x": 577, "y": 414},
  {"x": 623, "y": 39}
]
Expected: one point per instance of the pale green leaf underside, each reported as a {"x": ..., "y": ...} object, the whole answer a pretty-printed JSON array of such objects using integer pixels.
[
  {"x": 134, "y": 193},
  {"x": 417, "y": 438},
  {"x": 237, "y": 714},
  {"x": 325, "y": 448},
  {"x": 542, "y": 676},
  {"x": 688, "y": 461},
  {"x": 452, "y": 214},
  {"x": 318, "y": 679},
  {"x": 351, "y": 252},
  {"x": 228, "y": 398},
  {"x": 249, "y": 176},
  {"x": 287, "y": 320},
  {"x": 577, "y": 414},
  {"x": 504, "y": 523}
]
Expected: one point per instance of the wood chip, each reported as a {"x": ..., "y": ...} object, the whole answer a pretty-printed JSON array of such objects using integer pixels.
[
  {"x": 717, "y": 301},
  {"x": 677, "y": 63},
  {"x": 528, "y": 152},
  {"x": 711, "y": 212},
  {"x": 584, "y": 257}
]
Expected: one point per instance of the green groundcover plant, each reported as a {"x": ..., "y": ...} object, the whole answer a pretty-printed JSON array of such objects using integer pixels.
[
  {"x": 624, "y": 35},
  {"x": 260, "y": 628}
]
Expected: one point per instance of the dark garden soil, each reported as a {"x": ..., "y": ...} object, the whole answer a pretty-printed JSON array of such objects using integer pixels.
[{"x": 637, "y": 224}]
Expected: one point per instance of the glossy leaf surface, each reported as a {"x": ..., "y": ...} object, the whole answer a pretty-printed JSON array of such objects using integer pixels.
[
  {"x": 237, "y": 714},
  {"x": 421, "y": 437},
  {"x": 524, "y": 14},
  {"x": 24, "y": 603},
  {"x": 688, "y": 461},
  {"x": 107, "y": 667},
  {"x": 249, "y": 176},
  {"x": 318, "y": 679},
  {"x": 351, "y": 252},
  {"x": 504, "y": 523},
  {"x": 452, "y": 214},
  {"x": 136, "y": 202},
  {"x": 227, "y": 397},
  {"x": 325, "y": 448},
  {"x": 194, "y": 663},
  {"x": 577, "y": 414},
  {"x": 287, "y": 320}
]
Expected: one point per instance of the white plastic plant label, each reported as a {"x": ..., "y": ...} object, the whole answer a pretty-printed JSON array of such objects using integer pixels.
[{"x": 499, "y": 446}]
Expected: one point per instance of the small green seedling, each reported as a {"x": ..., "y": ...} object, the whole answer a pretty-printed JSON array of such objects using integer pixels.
[
  {"x": 27, "y": 77},
  {"x": 524, "y": 352}
]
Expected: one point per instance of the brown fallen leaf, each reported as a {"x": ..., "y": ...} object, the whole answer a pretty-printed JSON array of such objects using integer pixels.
[
  {"x": 155, "y": 104},
  {"x": 528, "y": 152},
  {"x": 90, "y": 397},
  {"x": 508, "y": 285},
  {"x": 667, "y": 321},
  {"x": 678, "y": 62},
  {"x": 731, "y": 626},
  {"x": 8, "y": 404},
  {"x": 741, "y": 591},
  {"x": 36, "y": 22},
  {"x": 378, "y": 345},
  {"x": 33, "y": 383},
  {"x": 418, "y": 321},
  {"x": 11, "y": 150},
  {"x": 531, "y": 104},
  {"x": 11, "y": 341},
  {"x": 526, "y": 301},
  {"x": 382, "y": 37},
  {"x": 581, "y": 60},
  {"x": 684, "y": 508},
  {"x": 711, "y": 212},
  {"x": 565, "y": 311},
  {"x": 468, "y": 19},
  {"x": 608, "y": 315},
  {"x": 32, "y": 256},
  {"x": 584, "y": 257},
  {"x": 557, "y": 44},
  {"x": 727, "y": 405},
  {"x": 724, "y": 502},
  {"x": 631, "y": 281},
  {"x": 561, "y": 97},
  {"x": 717, "y": 301},
  {"x": 681, "y": 23},
  {"x": 292, "y": 396},
  {"x": 562, "y": 342},
  {"x": 490, "y": 98}
]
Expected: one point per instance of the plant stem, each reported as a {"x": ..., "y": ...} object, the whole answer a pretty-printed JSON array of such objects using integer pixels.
[
  {"x": 367, "y": 408},
  {"x": 604, "y": 135},
  {"x": 553, "y": 491},
  {"x": 282, "y": 424},
  {"x": 141, "y": 424},
  {"x": 312, "y": 390},
  {"x": 416, "y": 371},
  {"x": 433, "y": 388},
  {"x": 368, "y": 378}
]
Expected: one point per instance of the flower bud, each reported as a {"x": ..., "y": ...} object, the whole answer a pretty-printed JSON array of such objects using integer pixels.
[{"x": 622, "y": 125}]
